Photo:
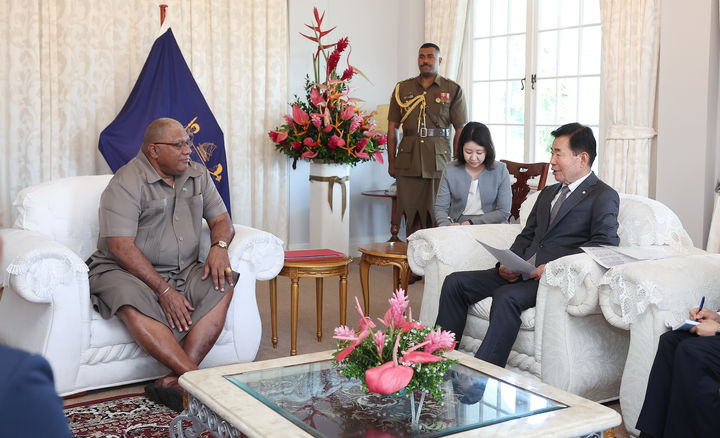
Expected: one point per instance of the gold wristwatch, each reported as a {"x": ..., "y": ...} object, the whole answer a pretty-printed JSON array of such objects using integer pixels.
[{"x": 221, "y": 244}]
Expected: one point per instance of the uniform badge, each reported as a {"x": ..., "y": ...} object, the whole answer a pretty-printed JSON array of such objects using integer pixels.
[{"x": 442, "y": 98}]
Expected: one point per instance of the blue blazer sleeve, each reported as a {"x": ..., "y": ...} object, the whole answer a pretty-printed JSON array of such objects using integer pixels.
[{"x": 29, "y": 405}]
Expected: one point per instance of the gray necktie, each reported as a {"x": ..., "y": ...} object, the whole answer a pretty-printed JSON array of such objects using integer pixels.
[{"x": 563, "y": 195}]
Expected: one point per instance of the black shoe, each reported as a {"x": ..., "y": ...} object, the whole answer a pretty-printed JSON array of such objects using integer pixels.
[{"x": 168, "y": 396}]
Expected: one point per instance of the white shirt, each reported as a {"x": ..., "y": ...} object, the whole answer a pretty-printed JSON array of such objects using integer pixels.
[
  {"x": 473, "y": 206},
  {"x": 571, "y": 186}
]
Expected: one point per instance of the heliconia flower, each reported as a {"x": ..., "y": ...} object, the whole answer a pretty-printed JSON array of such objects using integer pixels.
[
  {"x": 332, "y": 61},
  {"x": 347, "y": 74},
  {"x": 360, "y": 145},
  {"x": 439, "y": 340},
  {"x": 309, "y": 154},
  {"x": 344, "y": 332},
  {"x": 335, "y": 141},
  {"x": 389, "y": 377},
  {"x": 379, "y": 157},
  {"x": 299, "y": 116},
  {"x": 348, "y": 112},
  {"x": 278, "y": 136},
  {"x": 289, "y": 119},
  {"x": 316, "y": 98},
  {"x": 382, "y": 140},
  {"x": 379, "y": 339},
  {"x": 297, "y": 145},
  {"x": 355, "y": 123},
  {"x": 316, "y": 120},
  {"x": 342, "y": 44},
  {"x": 326, "y": 116},
  {"x": 309, "y": 142}
]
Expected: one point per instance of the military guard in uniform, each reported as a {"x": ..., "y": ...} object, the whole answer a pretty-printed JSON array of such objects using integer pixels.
[{"x": 424, "y": 106}]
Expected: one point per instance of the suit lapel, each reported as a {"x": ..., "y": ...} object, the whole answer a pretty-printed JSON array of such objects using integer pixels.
[{"x": 577, "y": 195}]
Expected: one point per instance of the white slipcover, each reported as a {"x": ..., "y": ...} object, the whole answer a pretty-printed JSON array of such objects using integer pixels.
[
  {"x": 647, "y": 298},
  {"x": 565, "y": 340},
  {"x": 45, "y": 306}
]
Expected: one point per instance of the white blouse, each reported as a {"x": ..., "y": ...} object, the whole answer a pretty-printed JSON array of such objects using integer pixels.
[{"x": 474, "y": 203}]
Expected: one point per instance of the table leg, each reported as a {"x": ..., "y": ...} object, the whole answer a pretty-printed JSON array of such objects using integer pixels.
[
  {"x": 343, "y": 296},
  {"x": 273, "y": 310},
  {"x": 319, "y": 306},
  {"x": 396, "y": 278},
  {"x": 364, "y": 273},
  {"x": 404, "y": 275},
  {"x": 294, "y": 295},
  {"x": 394, "y": 225}
]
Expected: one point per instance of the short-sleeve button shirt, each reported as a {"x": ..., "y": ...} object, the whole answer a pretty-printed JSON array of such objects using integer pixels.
[
  {"x": 165, "y": 221},
  {"x": 427, "y": 157}
]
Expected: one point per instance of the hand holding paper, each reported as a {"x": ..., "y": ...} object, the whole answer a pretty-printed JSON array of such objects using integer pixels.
[{"x": 510, "y": 260}]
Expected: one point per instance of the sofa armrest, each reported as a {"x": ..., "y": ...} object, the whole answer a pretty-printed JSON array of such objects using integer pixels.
[
  {"x": 577, "y": 277},
  {"x": 674, "y": 285},
  {"x": 262, "y": 251},
  {"x": 456, "y": 246},
  {"x": 35, "y": 266}
]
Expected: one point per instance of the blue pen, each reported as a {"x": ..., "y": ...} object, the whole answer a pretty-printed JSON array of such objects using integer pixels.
[{"x": 702, "y": 301}]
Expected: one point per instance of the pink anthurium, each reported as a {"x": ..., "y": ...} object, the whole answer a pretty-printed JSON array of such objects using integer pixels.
[
  {"x": 316, "y": 98},
  {"x": 389, "y": 377},
  {"x": 364, "y": 155},
  {"x": 379, "y": 157},
  {"x": 348, "y": 112},
  {"x": 300, "y": 116},
  {"x": 309, "y": 154}
]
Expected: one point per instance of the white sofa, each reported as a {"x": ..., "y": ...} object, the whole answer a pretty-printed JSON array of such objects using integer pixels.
[
  {"x": 45, "y": 306},
  {"x": 646, "y": 298},
  {"x": 565, "y": 340}
]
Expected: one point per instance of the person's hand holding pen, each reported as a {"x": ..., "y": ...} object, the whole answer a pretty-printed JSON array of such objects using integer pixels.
[{"x": 702, "y": 313}]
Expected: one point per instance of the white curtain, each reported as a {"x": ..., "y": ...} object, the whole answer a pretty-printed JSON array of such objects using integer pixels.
[
  {"x": 69, "y": 66},
  {"x": 445, "y": 25},
  {"x": 630, "y": 47}
]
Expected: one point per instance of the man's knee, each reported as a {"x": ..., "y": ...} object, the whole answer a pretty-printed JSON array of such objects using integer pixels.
[{"x": 452, "y": 286}]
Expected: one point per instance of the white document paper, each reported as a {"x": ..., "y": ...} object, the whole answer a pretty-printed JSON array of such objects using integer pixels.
[
  {"x": 609, "y": 256},
  {"x": 510, "y": 260}
]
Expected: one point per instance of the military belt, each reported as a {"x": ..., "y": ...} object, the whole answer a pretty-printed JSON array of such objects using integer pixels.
[{"x": 427, "y": 132}]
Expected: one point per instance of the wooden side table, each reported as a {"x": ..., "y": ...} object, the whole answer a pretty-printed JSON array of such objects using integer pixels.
[
  {"x": 383, "y": 254},
  {"x": 394, "y": 225},
  {"x": 317, "y": 269}
]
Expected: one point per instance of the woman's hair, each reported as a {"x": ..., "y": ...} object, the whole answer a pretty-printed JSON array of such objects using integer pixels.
[{"x": 480, "y": 134}]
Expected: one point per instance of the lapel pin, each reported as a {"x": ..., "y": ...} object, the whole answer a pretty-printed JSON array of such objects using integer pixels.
[{"x": 584, "y": 192}]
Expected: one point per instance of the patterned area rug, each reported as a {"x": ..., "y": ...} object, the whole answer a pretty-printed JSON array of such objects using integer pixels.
[{"x": 125, "y": 416}]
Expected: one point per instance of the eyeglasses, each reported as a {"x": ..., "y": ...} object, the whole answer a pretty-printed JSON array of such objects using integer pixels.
[{"x": 179, "y": 145}]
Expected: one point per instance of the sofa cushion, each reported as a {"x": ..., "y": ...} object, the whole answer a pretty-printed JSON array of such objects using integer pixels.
[
  {"x": 65, "y": 210},
  {"x": 481, "y": 309},
  {"x": 644, "y": 221}
]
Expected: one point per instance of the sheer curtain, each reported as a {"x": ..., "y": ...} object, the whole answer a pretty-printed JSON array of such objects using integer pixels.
[
  {"x": 445, "y": 25},
  {"x": 630, "y": 48},
  {"x": 70, "y": 65}
]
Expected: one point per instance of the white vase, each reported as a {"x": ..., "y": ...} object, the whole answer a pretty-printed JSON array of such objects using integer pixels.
[{"x": 329, "y": 224}]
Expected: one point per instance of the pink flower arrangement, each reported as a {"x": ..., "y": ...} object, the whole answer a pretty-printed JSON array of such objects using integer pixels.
[
  {"x": 327, "y": 124},
  {"x": 405, "y": 355}
]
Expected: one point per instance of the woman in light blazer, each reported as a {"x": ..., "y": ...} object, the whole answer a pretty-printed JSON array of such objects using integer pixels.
[{"x": 474, "y": 189}]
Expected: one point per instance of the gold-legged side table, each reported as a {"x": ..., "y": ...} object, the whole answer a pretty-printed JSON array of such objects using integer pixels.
[
  {"x": 384, "y": 254},
  {"x": 317, "y": 269}
]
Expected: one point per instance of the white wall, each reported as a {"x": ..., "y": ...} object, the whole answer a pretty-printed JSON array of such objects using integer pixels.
[
  {"x": 688, "y": 113},
  {"x": 385, "y": 37}
]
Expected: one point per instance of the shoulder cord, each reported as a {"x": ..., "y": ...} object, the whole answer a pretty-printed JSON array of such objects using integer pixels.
[{"x": 410, "y": 105}]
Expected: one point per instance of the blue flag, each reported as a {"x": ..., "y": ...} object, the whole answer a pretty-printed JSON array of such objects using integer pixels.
[{"x": 166, "y": 88}]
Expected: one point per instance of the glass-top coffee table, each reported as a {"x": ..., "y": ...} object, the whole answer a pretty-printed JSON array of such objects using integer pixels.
[{"x": 306, "y": 396}]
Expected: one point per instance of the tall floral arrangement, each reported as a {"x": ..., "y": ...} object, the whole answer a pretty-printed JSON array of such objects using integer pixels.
[
  {"x": 404, "y": 355},
  {"x": 327, "y": 124}
]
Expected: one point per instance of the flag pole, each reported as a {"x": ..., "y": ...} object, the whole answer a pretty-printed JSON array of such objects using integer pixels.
[{"x": 162, "y": 14}]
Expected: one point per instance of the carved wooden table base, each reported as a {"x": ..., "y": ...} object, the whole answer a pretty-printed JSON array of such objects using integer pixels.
[{"x": 384, "y": 254}]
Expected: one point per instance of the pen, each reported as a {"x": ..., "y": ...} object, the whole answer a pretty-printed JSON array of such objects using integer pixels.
[
  {"x": 702, "y": 301},
  {"x": 450, "y": 219}
]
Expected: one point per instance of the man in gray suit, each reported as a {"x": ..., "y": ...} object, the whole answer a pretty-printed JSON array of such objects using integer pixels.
[{"x": 579, "y": 211}]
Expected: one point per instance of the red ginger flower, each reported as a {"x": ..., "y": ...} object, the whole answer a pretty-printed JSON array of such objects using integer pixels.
[
  {"x": 342, "y": 44},
  {"x": 332, "y": 61}
]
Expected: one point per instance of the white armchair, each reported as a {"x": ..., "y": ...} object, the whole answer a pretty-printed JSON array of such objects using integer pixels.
[
  {"x": 45, "y": 306},
  {"x": 646, "y": 298},
  {"x": 565, "y": 340}
]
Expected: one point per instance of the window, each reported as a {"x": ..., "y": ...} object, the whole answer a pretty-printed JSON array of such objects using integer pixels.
[{"x": 535, "y": 66}]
